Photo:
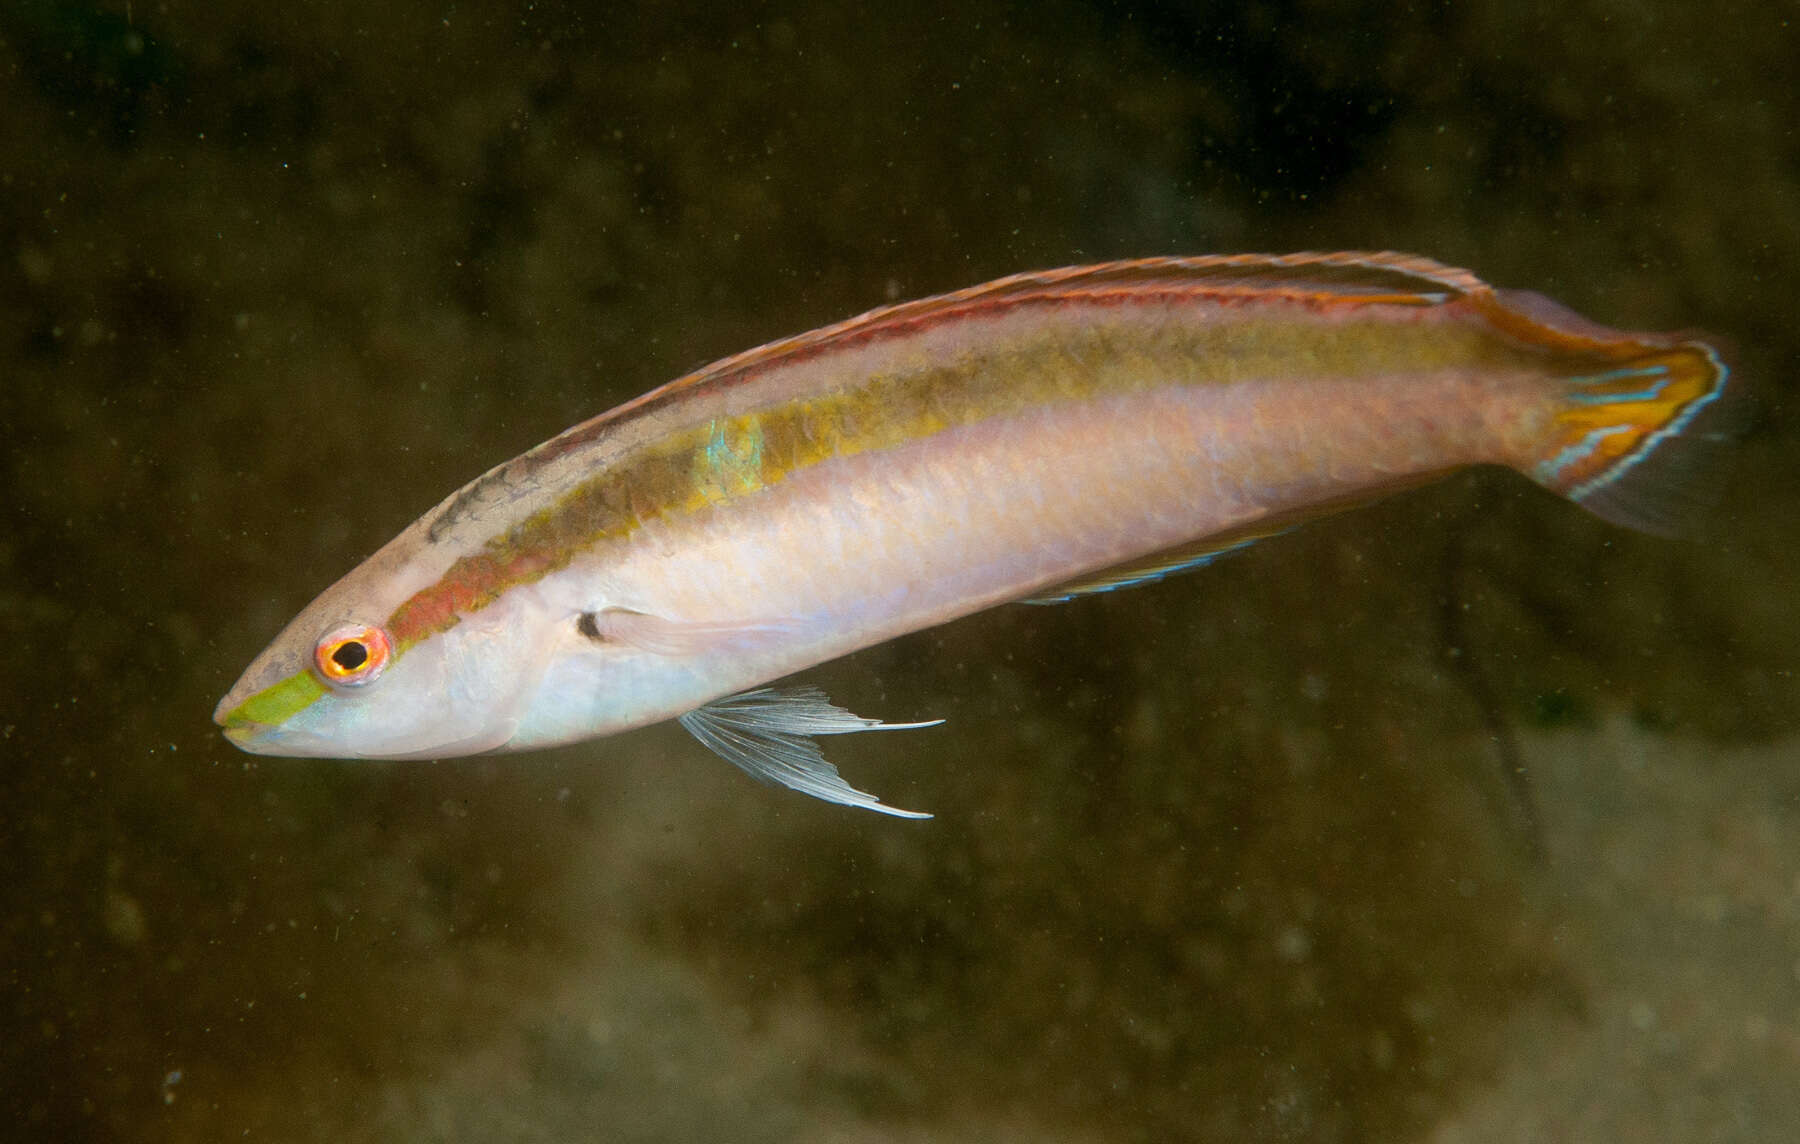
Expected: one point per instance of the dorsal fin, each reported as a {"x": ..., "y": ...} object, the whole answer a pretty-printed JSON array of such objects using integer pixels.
[{"x": 1350, "y": 276}]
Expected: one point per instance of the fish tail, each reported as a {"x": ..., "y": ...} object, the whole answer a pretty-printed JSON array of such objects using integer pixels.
[{"x": 1642, "y": 441}]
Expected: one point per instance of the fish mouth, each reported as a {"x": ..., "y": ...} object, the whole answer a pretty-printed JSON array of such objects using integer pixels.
[
  {"x": 259, "y": 706},
  {"x": 246, "y": 734},
  {"x": 229, "y": 714},
  {"x": 222, "y": 713},
  {"x": 254, "y": 737},
  {"x": 237, "y": 716},
  {"x": 243, "y": 735}
]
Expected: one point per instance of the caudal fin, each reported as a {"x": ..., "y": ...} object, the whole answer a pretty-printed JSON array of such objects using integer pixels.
[{"x": 1643, "y": 441}]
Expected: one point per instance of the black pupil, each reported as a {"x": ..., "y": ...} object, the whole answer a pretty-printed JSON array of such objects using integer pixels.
[{"x": 350, "y": 655}]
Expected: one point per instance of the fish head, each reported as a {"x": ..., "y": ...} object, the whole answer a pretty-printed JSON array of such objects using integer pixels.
[{"x": 358, "y": 675}]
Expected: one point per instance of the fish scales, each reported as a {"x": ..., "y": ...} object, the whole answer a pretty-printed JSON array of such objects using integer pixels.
[
  {"x": 1039, "y": 436},
  {"x": 979, "y": 372}
]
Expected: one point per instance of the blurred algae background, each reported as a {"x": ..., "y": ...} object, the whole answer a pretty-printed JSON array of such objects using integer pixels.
[{"x": 1230, "y": 858}]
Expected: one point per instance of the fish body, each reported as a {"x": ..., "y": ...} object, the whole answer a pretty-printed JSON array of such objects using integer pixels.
[{"x": 1039, "y": 437}]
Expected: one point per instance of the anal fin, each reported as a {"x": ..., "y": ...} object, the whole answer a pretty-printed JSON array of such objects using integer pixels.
[
  {"x": 1200, "y": 553},
  {"x": 1157, "y": 567}
]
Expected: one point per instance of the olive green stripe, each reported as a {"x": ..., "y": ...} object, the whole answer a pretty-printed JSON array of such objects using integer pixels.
[{"x": 278, "y": 703}]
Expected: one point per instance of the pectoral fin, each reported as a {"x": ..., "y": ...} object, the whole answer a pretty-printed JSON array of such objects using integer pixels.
[
  {"x": 661, "y": 636},
  {"x": 769, "y": 734}
]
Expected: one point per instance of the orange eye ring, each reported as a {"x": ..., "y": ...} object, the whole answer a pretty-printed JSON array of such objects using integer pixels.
[{"x": 352, "y": 655}]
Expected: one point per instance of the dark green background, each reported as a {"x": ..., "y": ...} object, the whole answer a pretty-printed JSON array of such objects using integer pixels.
[{"x": 1228, "y": 858}]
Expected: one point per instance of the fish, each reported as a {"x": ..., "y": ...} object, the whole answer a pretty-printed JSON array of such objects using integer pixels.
[{"x": 1039, "y": 438}]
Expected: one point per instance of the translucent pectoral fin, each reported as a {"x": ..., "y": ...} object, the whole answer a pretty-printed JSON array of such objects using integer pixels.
[
  {"x": 769, "y": 734},
  {"x": 671, "y": 637}
]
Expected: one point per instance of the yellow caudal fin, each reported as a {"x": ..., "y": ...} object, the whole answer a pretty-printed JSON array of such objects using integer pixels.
[{"x": 1642, "y": 439}]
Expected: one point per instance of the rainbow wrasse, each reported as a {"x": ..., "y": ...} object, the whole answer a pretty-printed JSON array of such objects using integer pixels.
[{"x": 1037, "y": 438}]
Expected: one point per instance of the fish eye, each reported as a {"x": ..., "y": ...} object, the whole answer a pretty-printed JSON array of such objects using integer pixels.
[{"x": 352, "y": 655}]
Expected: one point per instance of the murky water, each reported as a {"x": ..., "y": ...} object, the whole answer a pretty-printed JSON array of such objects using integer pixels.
[{"x": 1229, "y": 858}]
